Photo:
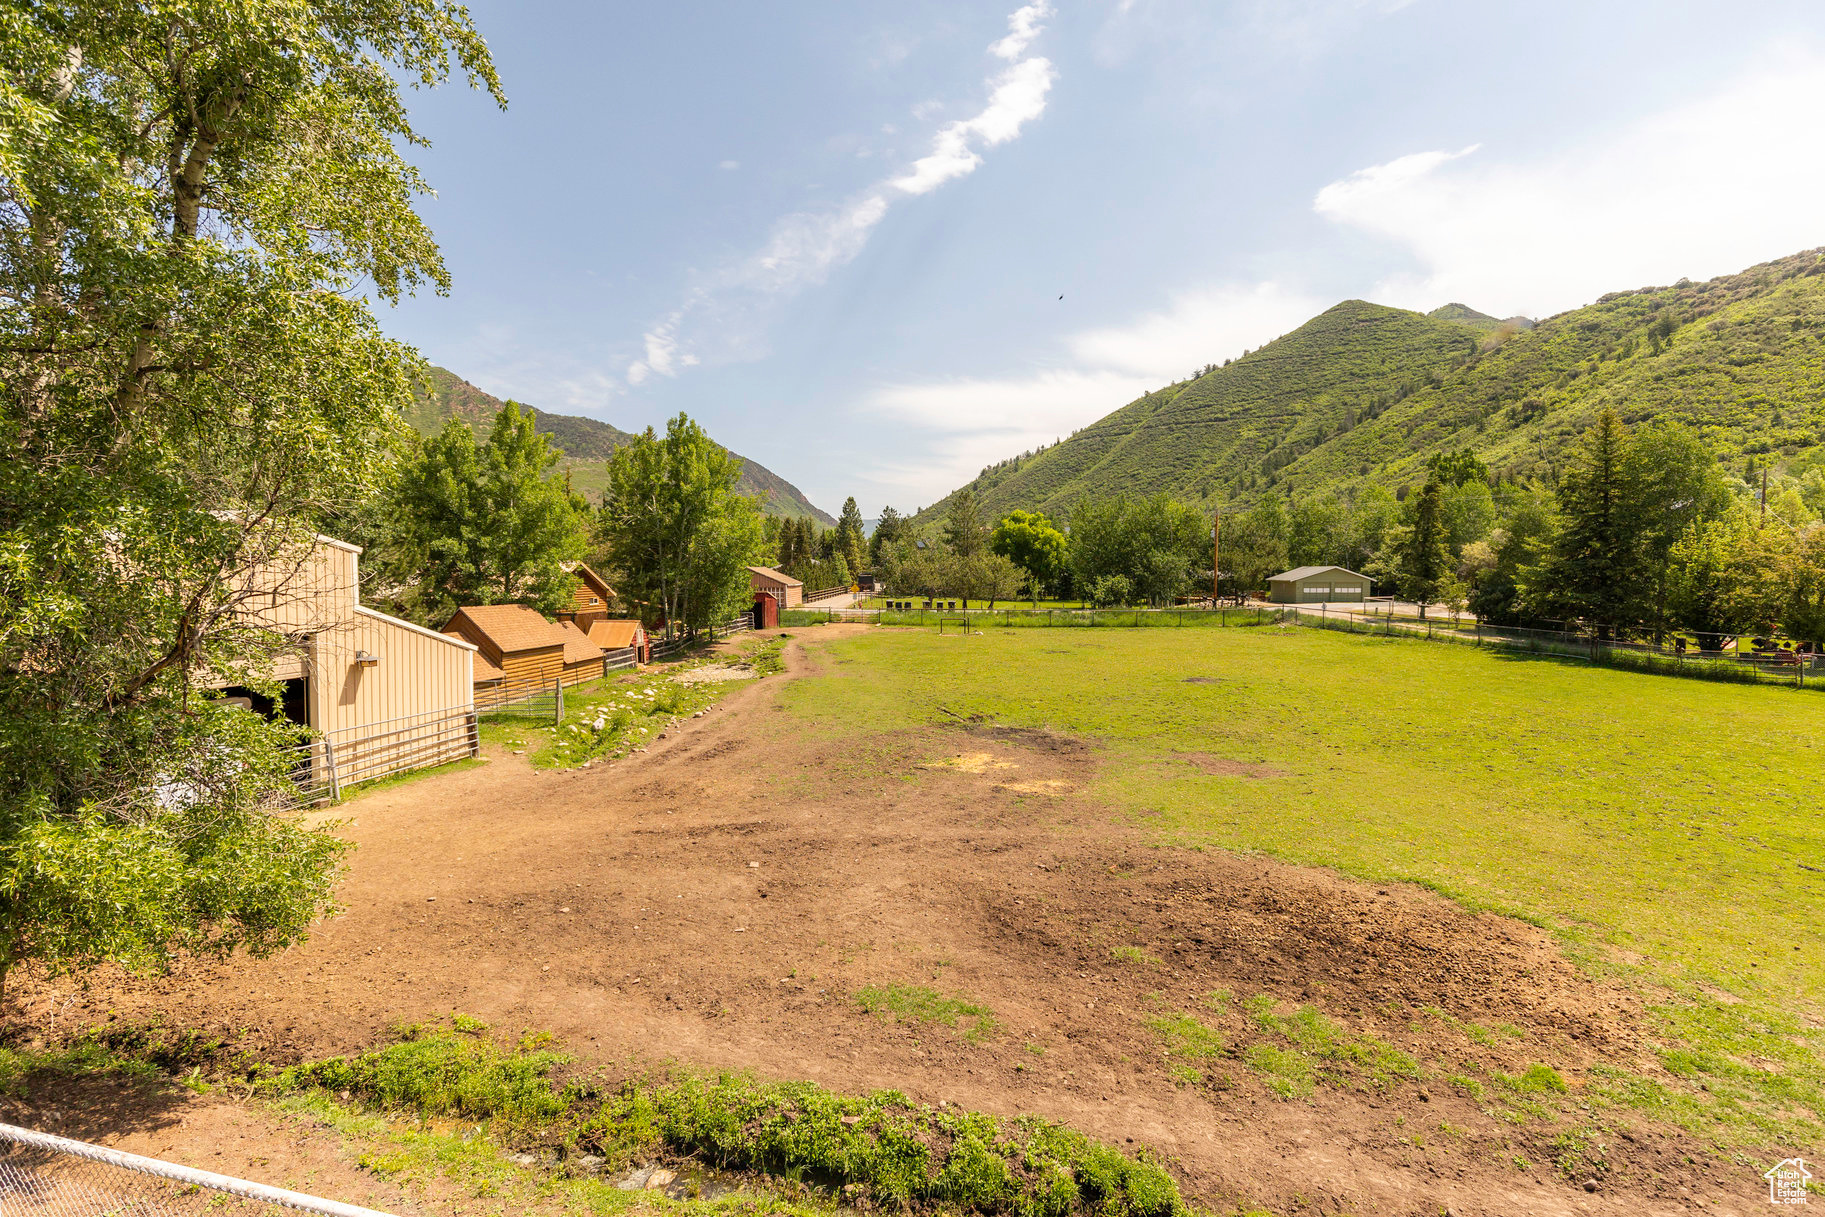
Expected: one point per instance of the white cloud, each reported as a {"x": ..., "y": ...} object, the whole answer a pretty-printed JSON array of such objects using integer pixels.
[
  {"x": 1023, "y": 27},
  {"x": 804, "y": 246},
  {"x": 1708, "y": 187},
  {"x": 729, "y": 165},
  {"x": 971, "y": 422},
  {"x": 662, "y": 358},
  {"x": 1197, "y": 328}
]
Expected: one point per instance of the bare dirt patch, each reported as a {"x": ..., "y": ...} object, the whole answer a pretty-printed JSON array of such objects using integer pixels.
[
  {"x": 1222, "y": 766},
  {"x": 719, "y": 901}
]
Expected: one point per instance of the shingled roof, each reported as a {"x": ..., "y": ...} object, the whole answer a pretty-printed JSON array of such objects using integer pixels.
[
  {"x": 507, "y": 627},
  {"x": 577, "y": 646}
]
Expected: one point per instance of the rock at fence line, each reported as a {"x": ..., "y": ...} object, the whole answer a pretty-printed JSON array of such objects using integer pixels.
[
  {"x": 523, "y": 1159},
  {"x": 636, "y": 1181},
  {"x": 660, "y": 1178},
  {"x": 851, "y": 1121}
]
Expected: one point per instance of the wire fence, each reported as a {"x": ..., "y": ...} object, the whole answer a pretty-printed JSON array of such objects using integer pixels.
[
  {"x": 1711, "y": 659},
  {"x": 48, "y": 1176},
  {"x": 668, "y": 647}
]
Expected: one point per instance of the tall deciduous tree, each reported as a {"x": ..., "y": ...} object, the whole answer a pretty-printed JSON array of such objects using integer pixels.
[
  {"x": 1028, "y": 539},
  {"x": 495, "y": 523},
  {"x": 194, "y": 199},
  {"x": 1153, "y": 543},
  {"x": 1254, "y": 544},
  {"x": 676, "y": 531}
]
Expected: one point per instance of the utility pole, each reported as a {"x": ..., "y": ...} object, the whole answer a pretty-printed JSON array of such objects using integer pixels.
[{"x": 1216, "y": 527}]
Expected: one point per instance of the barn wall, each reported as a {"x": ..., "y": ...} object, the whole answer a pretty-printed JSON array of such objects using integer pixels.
[
  {"x": 412, "y": 708},
  {"x": 542, "y": 666},
  {"x": 315, "y": 592},
  {"x": 581, "y": 671}
]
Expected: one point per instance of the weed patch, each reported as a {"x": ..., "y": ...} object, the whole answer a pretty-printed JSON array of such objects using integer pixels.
[
  {"x": 1331, "y": 1053},
  {"x": 1186, "y": 1037},
  {"x": 875, "y": 1151},
  {"x": 919, "y": 1004}
]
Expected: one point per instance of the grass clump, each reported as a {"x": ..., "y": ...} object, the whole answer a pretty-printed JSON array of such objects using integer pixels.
[
  {"x": 768, "y": 659},
  {"x": 1535, "y": 1079},
  {"x": 1186, "y": 1037},
  {"x": 1330, "y": 1051},
  {"x": 1135, "y": 955},
  {"x": 894, "y": 1152},
  {"x": 920, "y": 1004},
  {"x": 1287, "y": 1073},
  {"x": 435, "y": 1072}
]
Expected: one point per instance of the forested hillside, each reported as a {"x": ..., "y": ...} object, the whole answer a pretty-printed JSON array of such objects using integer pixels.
[
  {"x": 1366, "y": 394},
  {"x": 587, "y": 443}
]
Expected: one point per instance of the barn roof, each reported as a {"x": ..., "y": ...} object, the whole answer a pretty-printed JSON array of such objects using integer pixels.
[
  {"x": 510, "y": 627},
  {"x": 577, "y": 646},
  {"x": 614, "y": 633},
  {"x": 768, "y": 573},
  {"x": 595, "y": 581},
  {"x": 1306, "y": 572}
]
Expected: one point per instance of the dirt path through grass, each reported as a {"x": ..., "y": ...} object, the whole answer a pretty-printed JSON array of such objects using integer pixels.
[{"x": 729, "y": 898}]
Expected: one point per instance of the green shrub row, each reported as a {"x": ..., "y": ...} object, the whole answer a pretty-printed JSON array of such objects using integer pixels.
[
  {"x": 890, "y": 1150},
  {"x": 905, "y": 1155}
]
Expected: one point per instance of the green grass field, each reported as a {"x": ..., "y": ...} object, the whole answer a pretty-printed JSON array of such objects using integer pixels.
[{"x": 1674, "y": 819}]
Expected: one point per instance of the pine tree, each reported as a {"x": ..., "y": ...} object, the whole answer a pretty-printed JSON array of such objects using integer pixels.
[
  {"x": 963, "y": 529},
  {"x": 852, "y": 535},
  {"x": 1594, "y": 569},
  {"x": 1425, "y": 560}
]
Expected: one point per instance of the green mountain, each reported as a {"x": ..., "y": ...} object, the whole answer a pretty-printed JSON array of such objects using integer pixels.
[
  {"x": 1364, "y": 393},
  {"x": 587, "y": 444},
  {"x": 1463, "y": 314}
]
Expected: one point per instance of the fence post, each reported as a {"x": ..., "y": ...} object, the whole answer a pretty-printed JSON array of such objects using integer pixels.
[
  {"x": 329, "y": 759},
  {"x": 473, "y": 725},
  {"x": 557, "y": 697}
]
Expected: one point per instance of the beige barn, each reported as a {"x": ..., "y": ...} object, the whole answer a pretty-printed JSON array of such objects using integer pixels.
[
  {"x": 381, "y": 695},
  {"x": 787, "y": 591}
]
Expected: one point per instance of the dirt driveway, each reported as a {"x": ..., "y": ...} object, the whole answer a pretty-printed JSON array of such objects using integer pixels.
[{"x": 719, "y": 900}]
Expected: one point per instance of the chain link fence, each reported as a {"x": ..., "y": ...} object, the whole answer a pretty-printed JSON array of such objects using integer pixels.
[{"x": 47, "y": 1176}]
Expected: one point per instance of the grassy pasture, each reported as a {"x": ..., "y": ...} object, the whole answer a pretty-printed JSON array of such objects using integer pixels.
[{"x": 1674, "y": 821}]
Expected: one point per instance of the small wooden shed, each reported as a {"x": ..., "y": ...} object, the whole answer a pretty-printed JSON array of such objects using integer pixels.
[
  {"x": 517, "y": 642},
  {"x": 1318, "y": 585},
  {"x": 788, "y": 591},
  {"x": 620, "y": 634}
]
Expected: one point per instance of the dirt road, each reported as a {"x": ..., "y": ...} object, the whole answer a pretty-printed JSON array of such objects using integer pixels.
[{"x": 719, "y": 900}]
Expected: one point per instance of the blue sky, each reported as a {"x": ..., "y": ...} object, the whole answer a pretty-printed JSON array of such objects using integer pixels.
[{"x": 837, "y": 233}]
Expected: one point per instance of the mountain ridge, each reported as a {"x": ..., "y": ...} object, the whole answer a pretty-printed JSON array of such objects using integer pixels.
[
  {"x": 1367, "y": 393},
  {"x": 587, "y": 443}
]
